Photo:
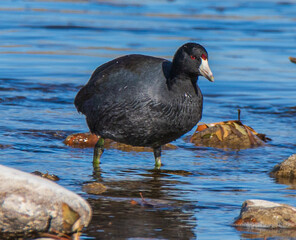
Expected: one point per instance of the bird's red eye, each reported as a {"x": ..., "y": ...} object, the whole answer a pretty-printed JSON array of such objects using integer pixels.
[
  {"x": 192, "y": 57},
  {"x": 203, "y": 57}
]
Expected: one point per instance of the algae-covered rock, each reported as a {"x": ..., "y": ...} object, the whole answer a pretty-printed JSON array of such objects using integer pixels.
[
  {"x": 287, "y": 169},
  {"x": 266, "y": 214},
  {"x": 33, "y": 204},
  {"x": 51, "y": 177}
]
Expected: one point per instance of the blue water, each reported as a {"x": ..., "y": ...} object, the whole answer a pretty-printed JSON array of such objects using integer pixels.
[{"x": 48, "y": 50}]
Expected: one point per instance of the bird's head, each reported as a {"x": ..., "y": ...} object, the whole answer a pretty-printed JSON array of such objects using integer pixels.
[{"x": 192, "y": 59}]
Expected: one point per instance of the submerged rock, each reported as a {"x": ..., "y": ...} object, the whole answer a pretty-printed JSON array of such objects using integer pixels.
[
  {"x": 86, "y": 140},
  {"x": 287, "y": 169},
  {"x": 32, "y": 204},
  {"x": 266, "y": 214},
  {"x": 94, "y": 188}
]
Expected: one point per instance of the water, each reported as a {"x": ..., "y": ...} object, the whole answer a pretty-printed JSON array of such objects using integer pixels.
[{"x": 48, "y": 49}]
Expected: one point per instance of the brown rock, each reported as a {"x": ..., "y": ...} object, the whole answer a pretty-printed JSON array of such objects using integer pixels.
[
  {"x": 287, "y": 169},
  {"x": 266, "y": 214}
]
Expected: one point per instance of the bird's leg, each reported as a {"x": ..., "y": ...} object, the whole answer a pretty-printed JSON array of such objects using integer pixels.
[
  {"x": 98, "y": 151},
  {"x": 157, "y": 155}
]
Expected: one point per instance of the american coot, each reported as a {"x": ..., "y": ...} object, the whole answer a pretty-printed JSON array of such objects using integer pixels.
[{"x": 145, "y": 101}]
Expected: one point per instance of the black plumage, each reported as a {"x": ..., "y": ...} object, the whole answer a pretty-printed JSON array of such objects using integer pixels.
[{"x": 145, "y": 101}]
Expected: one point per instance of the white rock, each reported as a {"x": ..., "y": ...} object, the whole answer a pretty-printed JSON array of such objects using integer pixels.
[{"x": 31, "y": 203}]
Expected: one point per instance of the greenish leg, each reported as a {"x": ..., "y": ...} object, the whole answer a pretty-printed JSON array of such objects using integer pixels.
[
  {"x": 157, "y": 156},
  {"x": 98, "y": 151}
]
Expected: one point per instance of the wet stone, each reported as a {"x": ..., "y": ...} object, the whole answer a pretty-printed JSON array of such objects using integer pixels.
[
  {"x": 33, "y": 204},
  {"x": 286, "y": 169},
  {"x": 266, "y": 214}
]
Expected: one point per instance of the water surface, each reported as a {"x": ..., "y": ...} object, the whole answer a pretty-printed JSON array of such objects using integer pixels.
[{"x": 48, "y": 50}]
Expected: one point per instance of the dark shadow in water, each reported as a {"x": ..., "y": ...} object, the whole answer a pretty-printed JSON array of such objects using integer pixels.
[
  {"x": 104, "y": 29},
  {"x": 116, "y": 217}
]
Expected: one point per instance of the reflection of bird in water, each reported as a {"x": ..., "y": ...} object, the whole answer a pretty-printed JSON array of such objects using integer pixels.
[{"x": 145, "y": 101}]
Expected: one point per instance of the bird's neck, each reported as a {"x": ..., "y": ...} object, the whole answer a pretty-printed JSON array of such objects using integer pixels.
[{"x": 178, "y": 78}]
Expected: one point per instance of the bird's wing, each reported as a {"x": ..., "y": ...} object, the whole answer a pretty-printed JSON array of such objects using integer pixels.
[{"x": 110, "y": 79}]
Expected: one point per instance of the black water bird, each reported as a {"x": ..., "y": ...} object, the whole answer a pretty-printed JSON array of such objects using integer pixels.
[{"x": 145, "y": 101}]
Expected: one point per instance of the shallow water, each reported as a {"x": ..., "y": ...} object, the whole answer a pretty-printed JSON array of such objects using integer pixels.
[{"x": 48, "y": 49}]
